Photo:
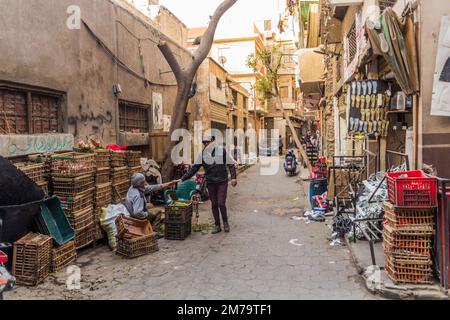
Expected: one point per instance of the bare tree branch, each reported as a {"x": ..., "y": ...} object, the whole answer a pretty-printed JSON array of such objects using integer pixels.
[
  {"x": 171, "y": 60},
  {"x": 185, "y": 76},
  {"x": 208, "y": 37}
]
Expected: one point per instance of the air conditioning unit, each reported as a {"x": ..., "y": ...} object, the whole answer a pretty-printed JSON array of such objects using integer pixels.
[{"x": 401, "y": 102}]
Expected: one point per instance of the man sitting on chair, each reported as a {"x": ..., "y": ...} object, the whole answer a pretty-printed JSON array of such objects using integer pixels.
[{"x": 136, "y": 201}]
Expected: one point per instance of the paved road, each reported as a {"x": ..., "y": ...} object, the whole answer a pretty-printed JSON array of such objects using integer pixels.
[{"x": 255, "y": 261}]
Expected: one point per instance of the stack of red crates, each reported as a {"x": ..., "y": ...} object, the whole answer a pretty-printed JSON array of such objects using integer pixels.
[
  {"x": 320, "y": 169},
  {"x": 409, "y": 226}
]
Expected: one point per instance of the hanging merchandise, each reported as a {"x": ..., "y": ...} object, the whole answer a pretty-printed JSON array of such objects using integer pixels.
[
  {"x": 369, "y": 104},
  {"x": 395, "y": 40}
]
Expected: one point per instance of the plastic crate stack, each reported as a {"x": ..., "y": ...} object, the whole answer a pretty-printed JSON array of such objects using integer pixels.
[
  {"x": 134, "y": 162},
  {"x": 103, "y": 187},
  {"x": 178, "y": 221},
  {"x": 120, "y": 176},
  {"x": 31, "y": 259},
  {"x": 36, "y": 172},
  {"x": 74, "y": 184},
  {"x": 409, "y": 227},
  {"x": 311, "y": 151}
]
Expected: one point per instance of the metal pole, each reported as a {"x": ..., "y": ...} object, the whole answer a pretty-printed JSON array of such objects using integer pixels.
[{"x": 446, "y": 234}]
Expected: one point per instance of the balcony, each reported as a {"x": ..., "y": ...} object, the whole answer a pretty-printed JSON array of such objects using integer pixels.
[{"x": 312, "y": 70}]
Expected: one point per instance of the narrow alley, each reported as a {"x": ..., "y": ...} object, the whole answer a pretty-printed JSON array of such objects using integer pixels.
[
  {"x": 135, "y": 133},
  {"x": 267, "y": 255}
]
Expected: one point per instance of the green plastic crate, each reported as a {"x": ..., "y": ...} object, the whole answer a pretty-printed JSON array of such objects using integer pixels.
[{"x": 53, "y": 222}]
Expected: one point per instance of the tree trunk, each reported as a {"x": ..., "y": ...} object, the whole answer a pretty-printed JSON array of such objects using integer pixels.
[
  {"x": 185, "y": 77},
  {"x": 181, "y": 103}
]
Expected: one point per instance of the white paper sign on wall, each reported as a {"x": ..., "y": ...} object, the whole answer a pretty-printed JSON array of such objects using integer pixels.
[
  {"x": 440, "y": 104},
  {"x": 167, "y": 122},
  {"x": 157, "y": 111}
]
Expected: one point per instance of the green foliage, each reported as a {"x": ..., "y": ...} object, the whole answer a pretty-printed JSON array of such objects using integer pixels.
[
  {"x": 252, "y": 62},
  {"x": 304, "y": 11},
  {"x": 271, "y": 60},
  {"x": 265, "y": 88}
]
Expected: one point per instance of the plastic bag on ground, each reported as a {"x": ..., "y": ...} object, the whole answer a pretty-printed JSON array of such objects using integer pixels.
[{"x": 108, "y": 221}]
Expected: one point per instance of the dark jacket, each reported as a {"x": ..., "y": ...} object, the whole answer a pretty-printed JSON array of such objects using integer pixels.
[{"x": 215, "y": 171}]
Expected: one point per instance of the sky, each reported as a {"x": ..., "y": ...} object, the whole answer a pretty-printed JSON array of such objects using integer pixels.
[{"x": 195, "y": 13}]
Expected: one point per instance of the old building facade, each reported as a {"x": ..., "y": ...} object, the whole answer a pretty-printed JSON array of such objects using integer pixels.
[
  {"x": 351, "y": 56},
  {"x": 89, "y": 69}
]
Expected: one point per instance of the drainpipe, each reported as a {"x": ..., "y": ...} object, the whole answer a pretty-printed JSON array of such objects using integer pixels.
[{"x": 116, "y": 108}]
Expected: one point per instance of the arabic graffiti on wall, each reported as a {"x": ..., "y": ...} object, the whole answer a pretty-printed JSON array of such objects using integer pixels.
[
  {"x": 87, "y": 117},
  {"x": 20, "y": 145}
]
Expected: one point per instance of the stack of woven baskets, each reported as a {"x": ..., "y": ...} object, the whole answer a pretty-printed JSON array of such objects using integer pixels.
[
  {"x": 36, "y": 172},
  {"x": 409, "y": 227},
  {"x": 120, "y": 175},
  {"x": 135, "y": 237},
  {"x": 134, "y": 161},
  {"x": 31, "y": 259},
  {"x": 74, "y": 184},
  {"x": 103, "y": 166},
  {"x": 103, "y": 187},
  {"x": 62, "y": 256}
]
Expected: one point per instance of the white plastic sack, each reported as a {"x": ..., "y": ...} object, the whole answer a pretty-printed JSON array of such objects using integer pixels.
[{"x": 108, "y": 221}]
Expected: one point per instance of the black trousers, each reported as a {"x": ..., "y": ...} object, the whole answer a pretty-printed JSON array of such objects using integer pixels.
[{"x": 218, "y": 195}]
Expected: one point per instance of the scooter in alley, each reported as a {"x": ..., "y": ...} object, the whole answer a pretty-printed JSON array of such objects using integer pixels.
[{"x": 290, "y": 163}]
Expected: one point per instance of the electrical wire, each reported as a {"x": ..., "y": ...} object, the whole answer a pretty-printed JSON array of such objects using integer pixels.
[
  {"x": 142, "y": 39},
  {"x": 117, "y": 60}
]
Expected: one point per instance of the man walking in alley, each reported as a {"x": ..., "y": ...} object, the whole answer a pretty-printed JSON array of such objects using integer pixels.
[
  {"x": 280, "y": 145},
  {"x": 215, "y": 161}
]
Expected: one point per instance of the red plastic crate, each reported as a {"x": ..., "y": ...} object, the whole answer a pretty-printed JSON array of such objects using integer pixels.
[
  {"x": 3, "y": 258},
  {"x": 412, "y": 189}
]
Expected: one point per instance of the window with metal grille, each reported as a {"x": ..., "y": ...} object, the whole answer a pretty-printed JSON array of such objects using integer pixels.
[
  {"x": 44, "y": 113},
  {"x": 386, "y": 4},
  {"x": 133, "y": 117},
  {"x": 352, "y": 43},
  {"x": 235, "y": 97},
  {"x": 13, "y": 107},
  {"x": 27, "y": 112}
]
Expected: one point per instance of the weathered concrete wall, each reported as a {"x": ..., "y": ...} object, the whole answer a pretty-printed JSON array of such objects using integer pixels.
[
  {"x": 37, "y": 48},
  {"x": 171, "y": 26},
  {"x": 216, "y": 72},
  {"x": 434, "y": 132}
]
